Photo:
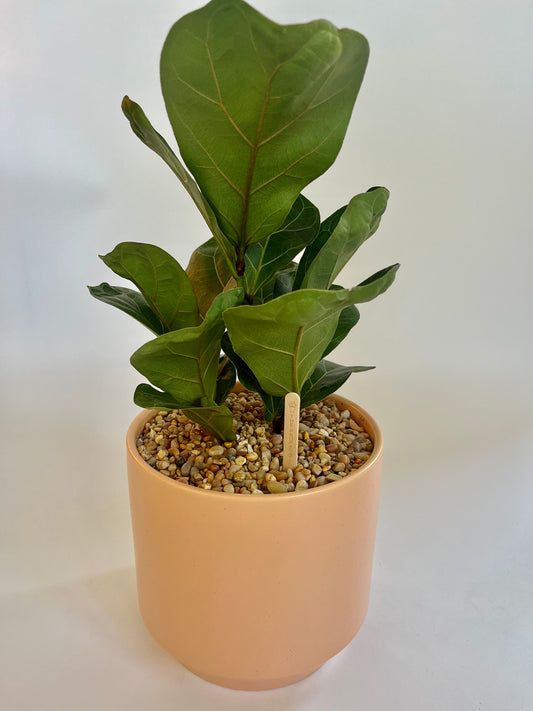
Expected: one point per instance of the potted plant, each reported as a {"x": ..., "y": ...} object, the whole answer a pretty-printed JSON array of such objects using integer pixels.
[{"x": 257, "y": 591}]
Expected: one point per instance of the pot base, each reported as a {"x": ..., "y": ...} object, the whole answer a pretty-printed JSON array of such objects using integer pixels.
[
  {"x": 254, "y": 684},
  {"x": 257, "y": 684}
]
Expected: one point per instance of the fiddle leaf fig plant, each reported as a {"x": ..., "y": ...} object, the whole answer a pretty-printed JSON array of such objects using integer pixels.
[{"x": 258, "y": 110}]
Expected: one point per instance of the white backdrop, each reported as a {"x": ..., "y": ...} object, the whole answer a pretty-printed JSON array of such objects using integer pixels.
[{"x": 444, "y": 120}]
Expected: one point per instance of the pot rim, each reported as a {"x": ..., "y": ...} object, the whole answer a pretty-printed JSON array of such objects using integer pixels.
[{"x": 368, "y": 422}]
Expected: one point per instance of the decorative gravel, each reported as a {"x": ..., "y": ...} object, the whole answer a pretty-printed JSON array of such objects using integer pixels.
[{"x": 331, "y": 445}]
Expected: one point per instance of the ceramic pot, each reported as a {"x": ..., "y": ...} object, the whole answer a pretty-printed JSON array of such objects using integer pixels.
[{"x": 254, "y": 592}]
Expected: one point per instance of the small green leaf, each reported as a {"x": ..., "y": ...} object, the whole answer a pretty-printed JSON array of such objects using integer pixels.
[
  {"x": 265, "y": 259},
  {"x": 147, "y": 396},
  {"x": 274, "y": 406},
  {"x": 285, "y": 280},
  {"x": 184, "y": 363},
  {"x": 326, "y": 379},
  {"x": 347, "y": 320},
  {"x": 356, "y": 224},
  {"x": 226, "y": 379},
  {"x": 129, "y": 301},
  {"x": 259, "y": 110},
  {"x": 209, "y": 273},
  {"x": 375, "y": 285},
  {"x": 214, "y": 418},
  {"x": 161, "y": 280},
  {"x": 217, "y": 419},
  {"x": 144, "y": 130}
]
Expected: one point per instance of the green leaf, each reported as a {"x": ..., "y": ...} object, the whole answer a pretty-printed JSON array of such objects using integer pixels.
[
  {"x": 161, "y": 280},
  {"x": 147, "y": 396},
  {"x": 347, "y": 320},
  {"x": 144, "y": 130},
  {"x": 275, "y": 253},
  {"x": 226, "y": 379},
  {"x": 184, "y": 363},
  {"x": 129, "y": 301},
  {"x": 326, "y": 379},
  {"x": 283, "y": 340},
  {"x": 214, "y": 418},
  {"x": 209, "y": 273},
  {"x": 284, "y": 280},
  {"x": 274, "y": 406},
  {"x": 356, "y": 224},
  {"x": 375, "y": 285},
  {"x": 259, "y": 110},
  {"x": 324, "y": 233}
]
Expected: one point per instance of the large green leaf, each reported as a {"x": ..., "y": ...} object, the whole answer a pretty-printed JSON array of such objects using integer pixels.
[
  {"x": 273, "y": 405},
  {"x": 161, "y": 280},
  {"x": 326, "y": 379},
  {"x": 129, "y": 301},
  {"x": 356, "y": 224},
  {"x": 274, "y": 253},
  {"x": 283, "y": 340},
  {"x": 215, "y": 418},
  {"x": 209, "y": 273},
  {"x": 310, "y": 252},
  {"x": 184, "y": 363},
  {"x": 142, "y": 128},
  {"x": 259, "y": 110}
]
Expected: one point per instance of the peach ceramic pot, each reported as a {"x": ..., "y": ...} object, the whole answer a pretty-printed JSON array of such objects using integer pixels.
[{"x": 254, "y": 592}]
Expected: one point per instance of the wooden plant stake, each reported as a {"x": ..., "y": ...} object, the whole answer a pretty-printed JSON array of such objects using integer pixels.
[{"x": 290, "y": 434}]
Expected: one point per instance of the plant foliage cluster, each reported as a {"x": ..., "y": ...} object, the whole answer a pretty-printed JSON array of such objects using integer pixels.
[{"x": 258, "y": 110}]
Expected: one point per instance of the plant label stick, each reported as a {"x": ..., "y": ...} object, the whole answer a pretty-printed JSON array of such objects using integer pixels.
[{"x": 290, "y": 434}]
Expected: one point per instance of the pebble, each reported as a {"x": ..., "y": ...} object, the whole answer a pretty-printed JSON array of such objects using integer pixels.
[
  {"x": 333, "y": 477},
  {"x": 331, "y": 446},
  {"x": 276, "y": 487}
]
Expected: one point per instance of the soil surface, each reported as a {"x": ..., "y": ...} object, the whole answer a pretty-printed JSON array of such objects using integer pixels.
[{"x": 331, "y": 445}]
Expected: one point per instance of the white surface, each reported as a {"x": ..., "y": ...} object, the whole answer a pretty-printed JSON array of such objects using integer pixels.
[{"x": 444, "y": 120}]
